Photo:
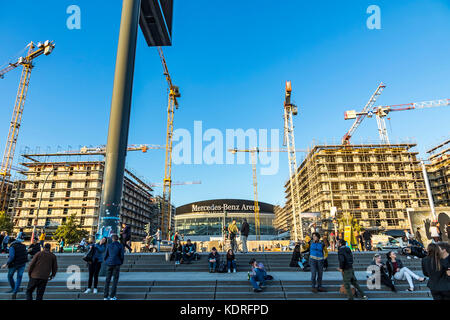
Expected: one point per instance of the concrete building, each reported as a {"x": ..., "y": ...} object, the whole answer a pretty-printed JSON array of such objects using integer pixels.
[
  {"x": 51, "y": 191},
  {"x": 375, "y": 183},
  {"x": 439, "y": 173}
]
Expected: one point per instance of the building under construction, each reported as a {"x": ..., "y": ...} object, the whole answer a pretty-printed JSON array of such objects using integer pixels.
[
  {"x": 375, "y": 183},
  {"x": 53, "y": 189},
  {"x": 439, "y": 173}
]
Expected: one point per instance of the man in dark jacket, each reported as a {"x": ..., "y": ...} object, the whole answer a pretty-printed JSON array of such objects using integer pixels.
[
  {"x": 42, "y": 268},
  {"x": 125, "y": 236},
  {"x": 367, "y": 240},
  {"x": 245, "y": 229},
  {"x": 345, "y": 258},
  {"x": 34, "y": 248},
  {"x": 188, "y": 252},
  {"x": 114, "y": 257},
  {"x": 18, "y": 258}
]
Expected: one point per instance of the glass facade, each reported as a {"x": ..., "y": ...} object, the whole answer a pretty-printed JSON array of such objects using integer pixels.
[{"x": 211, "y": 224}]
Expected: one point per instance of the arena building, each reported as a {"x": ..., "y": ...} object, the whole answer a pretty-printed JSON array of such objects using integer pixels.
[{"x": 205, "y": 220}]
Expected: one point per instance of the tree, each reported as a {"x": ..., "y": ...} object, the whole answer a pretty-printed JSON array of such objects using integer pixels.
[
  {"x": 71, "y": 231},
  {"x": 6, "y": 223}
]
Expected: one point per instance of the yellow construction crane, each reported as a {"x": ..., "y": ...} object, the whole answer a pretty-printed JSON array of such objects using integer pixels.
[
  {"x": 253, "y": 153},
  {"x": 174, "y": 93},
  {"x": 26, "y": 62}
]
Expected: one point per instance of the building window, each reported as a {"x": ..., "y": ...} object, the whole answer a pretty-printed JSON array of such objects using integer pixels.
[
  {"x": 66, "y": 211},
  {"x": 64, "y": 220},
  {"x": 31, "y": 211},
  {"x": 88, "y": 171},
  {"x": 49, "y": 211},
  {"x": 85, "y": 194},
  {"x": 53, "y": 185},
  {"x": 83, "y": 210},
  {"x": 67, "y": 194},
  {"x": 86, "y": 184},
  {"x": 71, "y": 171},
  {"x": 36, "y": 185},
  {"x": 30, "y": 222},
  {"x": 34, "y": 194},
  {"x": 69, "y": 184}
]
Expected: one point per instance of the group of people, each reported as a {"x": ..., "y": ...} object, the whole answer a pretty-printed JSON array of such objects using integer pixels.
[
  {"x": 233, "y": 231},
  {"x": 42, "y": 268},
  {"x": 362, "y": 240}
]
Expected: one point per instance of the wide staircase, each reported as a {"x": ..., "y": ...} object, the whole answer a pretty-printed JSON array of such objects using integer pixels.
[{"x": 150, "y": 276}]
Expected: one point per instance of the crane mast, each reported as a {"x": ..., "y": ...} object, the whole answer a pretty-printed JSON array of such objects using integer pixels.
[
  {"x": 174, "y": 93},
  {"x": 291, "y": 110},
  {"x": 8, "y": 156}
]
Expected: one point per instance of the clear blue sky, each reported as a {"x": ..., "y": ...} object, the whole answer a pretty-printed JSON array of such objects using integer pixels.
[{"x": 231, "y": 59}]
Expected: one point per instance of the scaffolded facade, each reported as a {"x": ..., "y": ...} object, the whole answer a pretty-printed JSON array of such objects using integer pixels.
[
  {"x": 375, "y": 183},
  {"x": 439, "y": 173},
  {"x": 54, "y": 190}
]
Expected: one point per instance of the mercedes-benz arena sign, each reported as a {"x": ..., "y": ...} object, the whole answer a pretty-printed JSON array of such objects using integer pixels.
[{"x": 224, "y": 205}]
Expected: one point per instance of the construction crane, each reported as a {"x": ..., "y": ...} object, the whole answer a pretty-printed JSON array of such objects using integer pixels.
[
  {"x": 253, "y": 152},
  {"x": 382, "y": 111},
  {"x": 176, "y": 183},
  {"x": 360, "y": 118},
  {"x": 27, "y": 63},
  {"x": 174, "y": 93},
  {"x": 291, "y": 110},
  {"x": 101, "y": 150}
]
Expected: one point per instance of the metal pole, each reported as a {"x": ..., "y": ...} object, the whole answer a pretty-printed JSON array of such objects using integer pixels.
[{"x": 119, "y": 121}]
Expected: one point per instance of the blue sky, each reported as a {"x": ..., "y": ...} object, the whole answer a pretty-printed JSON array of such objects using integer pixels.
[{"x": 231, "y": 59}]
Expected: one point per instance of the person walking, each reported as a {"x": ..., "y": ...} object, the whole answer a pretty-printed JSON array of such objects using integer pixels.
[
  {"x": 345, "y": 258},
  {"x": 61, "y": 246},
  {"x": 419, "y": 236},
  {"x": 435, "y": 267},
  {"x": 233, "y": 230},
  {"x": 18, "y": 258},
  {"x": 95, "y": 265},
  {"x": 332, "y": 241},
  {"x": 33, "y": 248},
  {"x": 114, "y": 257},
  {"x": 125, "y": 236},
  {"x": 157, "y": 237},
  {"x": 20, "y": 235},
  {"x": 42, "y": 269},
  {"x": 245, "y": 230},
  {"x": 399, "y": 272},
  {"x": 42, "y": 239},
  {"x": 317, "y": 254},
  {"x": 367, "y": 240},
  {"x": 231, "y": 261},
  {"x": 5, "y": 243}
]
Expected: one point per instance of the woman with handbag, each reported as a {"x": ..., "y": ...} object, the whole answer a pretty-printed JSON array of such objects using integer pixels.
[{"x": 94, "y": 258}]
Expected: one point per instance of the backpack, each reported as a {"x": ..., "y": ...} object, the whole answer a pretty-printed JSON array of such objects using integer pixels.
[{"x": 90, "y": 254}]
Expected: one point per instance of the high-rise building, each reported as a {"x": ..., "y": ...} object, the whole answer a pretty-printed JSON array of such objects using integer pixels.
[
  {"x": 439, "y": 173},
  {"x": 374, "y": 183},
  {"x": 51, "y": 191}
]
